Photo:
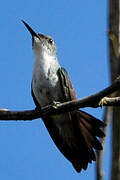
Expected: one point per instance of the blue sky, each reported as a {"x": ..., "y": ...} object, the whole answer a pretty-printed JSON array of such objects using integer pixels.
[{"x": 79, "y": 30}]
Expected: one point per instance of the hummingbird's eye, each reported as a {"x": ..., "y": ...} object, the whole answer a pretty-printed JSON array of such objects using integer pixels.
[{"x": 50, "y": 41}]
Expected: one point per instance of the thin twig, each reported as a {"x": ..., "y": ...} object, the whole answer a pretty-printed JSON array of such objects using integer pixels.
[{"x": 99, "y": 172}]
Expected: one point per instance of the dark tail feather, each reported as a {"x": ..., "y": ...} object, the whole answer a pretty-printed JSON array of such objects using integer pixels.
[
  {"x": 91, "y": 123},
  {"x": 88, "y": 129},
  {"x": 91, "y": 119},
  {"x": 78, "y": 168}
]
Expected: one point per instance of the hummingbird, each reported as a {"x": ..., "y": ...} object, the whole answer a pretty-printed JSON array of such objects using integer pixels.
[{"x": 75, "y": 133}]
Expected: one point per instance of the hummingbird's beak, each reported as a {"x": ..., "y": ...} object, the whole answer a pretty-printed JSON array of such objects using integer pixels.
[{"x": 33, "y": 33}]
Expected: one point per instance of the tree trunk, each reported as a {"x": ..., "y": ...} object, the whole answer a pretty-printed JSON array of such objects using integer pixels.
[{"x": 114, "y": 58}]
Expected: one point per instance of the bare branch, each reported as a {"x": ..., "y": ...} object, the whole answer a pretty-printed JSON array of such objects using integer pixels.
[
  {"x": 90, "y": 101},
  {"x": 99, "y": 172}
]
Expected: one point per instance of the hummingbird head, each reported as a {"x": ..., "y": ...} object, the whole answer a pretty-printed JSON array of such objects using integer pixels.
[{"x": 41, "y": 43}]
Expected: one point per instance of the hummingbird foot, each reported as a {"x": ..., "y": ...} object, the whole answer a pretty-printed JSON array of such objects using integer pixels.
[
  {"x": 118, "y": 78},
  {"x": 55, "y": 104},
  {"x": 4, "y": 109},
  {"x": 103, "y": 101}
]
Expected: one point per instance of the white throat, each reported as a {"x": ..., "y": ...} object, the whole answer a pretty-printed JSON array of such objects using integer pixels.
[{"x": 45, "y": 65}]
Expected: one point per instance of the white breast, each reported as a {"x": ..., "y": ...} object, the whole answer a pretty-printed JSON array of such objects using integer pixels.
[{"x": 45, "y": 84}]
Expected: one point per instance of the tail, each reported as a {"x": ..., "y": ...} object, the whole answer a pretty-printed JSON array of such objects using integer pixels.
[
  {"x": 75, "y": 134},
  {"x": 87, "y": 130}
]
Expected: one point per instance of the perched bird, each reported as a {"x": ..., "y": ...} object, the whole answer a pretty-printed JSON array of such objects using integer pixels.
[{"x": 74, "y": 133}]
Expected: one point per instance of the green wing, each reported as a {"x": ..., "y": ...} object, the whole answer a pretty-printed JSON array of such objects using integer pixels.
[{"x": 66, "y": 85}]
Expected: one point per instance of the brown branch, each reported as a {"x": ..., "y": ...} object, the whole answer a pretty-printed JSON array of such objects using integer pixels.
[
  {"x": 99, "y": 172},
  {"x": 90, "y": 101}
]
